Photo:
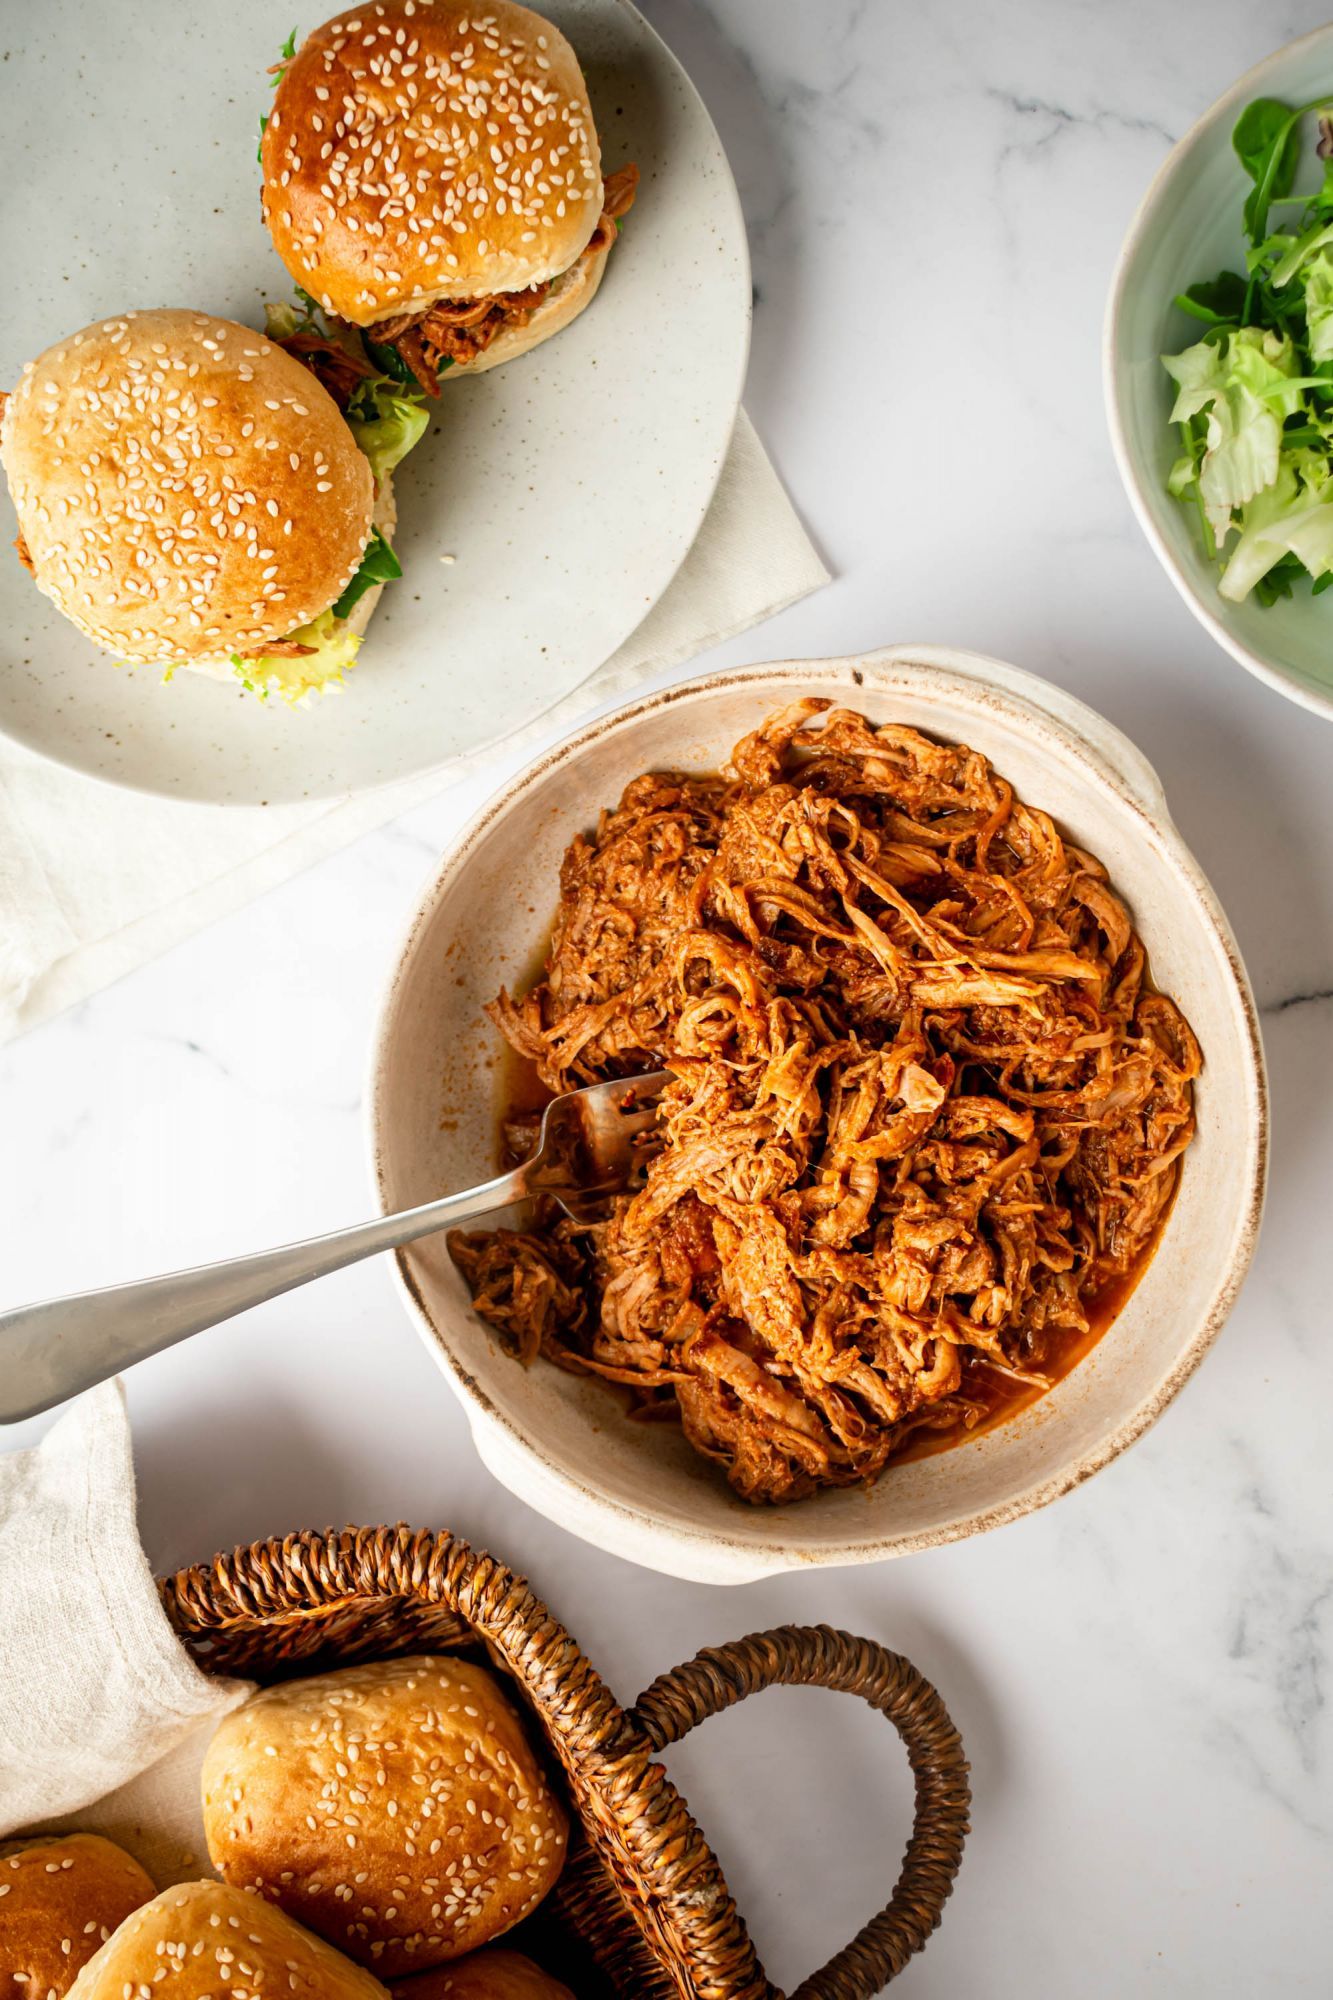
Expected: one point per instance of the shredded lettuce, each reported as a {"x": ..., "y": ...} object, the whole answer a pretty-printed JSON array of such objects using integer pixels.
[
  {"x": 386, "y": 424},
  {"x": 1292, "y": 517},
  {"x": 1243, "y": 385},
  {"x": 295, "y": 680},
  {"x": 1317, "y": 280},
  {"x": 1254, "y": 397}
]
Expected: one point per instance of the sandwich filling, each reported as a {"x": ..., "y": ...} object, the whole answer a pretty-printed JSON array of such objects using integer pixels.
[
  {"x": 456, "y": 331},
  {"x": 386, "y": 420}
]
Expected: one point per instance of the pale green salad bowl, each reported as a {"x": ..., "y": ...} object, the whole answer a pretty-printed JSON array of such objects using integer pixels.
[{"x": 1187, "y": 229}]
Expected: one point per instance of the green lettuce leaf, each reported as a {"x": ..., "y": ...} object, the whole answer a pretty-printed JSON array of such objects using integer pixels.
[
  {"x": 379, "y": 564},
  {"x": 1293, "y": 517},
  {"x": 282, "y": 320},
  {"x": 1299, "y": 251},
  {"x": 1245, "y": 385},
  {"x": 295, "y": 680},
  {"x": 1317, "y": 279},
  {"x": 386, "y": 417},
  {"x": 386, "y": 423}
]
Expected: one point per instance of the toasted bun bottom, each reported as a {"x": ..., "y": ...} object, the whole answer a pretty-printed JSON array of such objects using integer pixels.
[
  {"x": 566, "y": 300},
  {"x": 61, "y": 1897},
  {"x": 485, "y": 1975}
]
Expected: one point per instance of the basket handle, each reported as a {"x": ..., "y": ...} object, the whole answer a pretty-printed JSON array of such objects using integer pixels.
[{"x": 817, "y": 1656}]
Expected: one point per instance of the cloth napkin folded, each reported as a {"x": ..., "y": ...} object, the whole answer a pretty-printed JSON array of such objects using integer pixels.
[
  {"x": 95, "y": 881},
  {"x": 97, "y": 1695}
]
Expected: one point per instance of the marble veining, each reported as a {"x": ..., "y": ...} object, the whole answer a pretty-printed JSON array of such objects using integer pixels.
[{"x": 935, "y": 197}]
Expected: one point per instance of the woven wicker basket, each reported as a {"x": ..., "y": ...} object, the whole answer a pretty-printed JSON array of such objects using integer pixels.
[{"x": 642, "y": 1911}]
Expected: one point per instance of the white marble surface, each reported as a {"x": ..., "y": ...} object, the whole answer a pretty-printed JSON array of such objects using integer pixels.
[{"x": 1142, "y": 1673}]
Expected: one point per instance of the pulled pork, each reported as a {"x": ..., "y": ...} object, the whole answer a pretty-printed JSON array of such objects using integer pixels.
[
  {"x": 336, "y": 367},
  {"x": 458, "y": 330},
  {"x": 925, "y": 1116}
]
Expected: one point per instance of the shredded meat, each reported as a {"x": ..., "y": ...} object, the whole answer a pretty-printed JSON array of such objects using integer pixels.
[
  {"x": 339, "y": 370},
  {"x": 925, "y": 1116},
  {"x": 461, "y": 329},
  {"x": 276, "y": 649}
]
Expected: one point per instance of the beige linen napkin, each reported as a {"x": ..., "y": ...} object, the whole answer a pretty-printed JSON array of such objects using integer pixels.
[
  {"x": 95, "y": 1688},
  {"x": 95, "y": 881}
]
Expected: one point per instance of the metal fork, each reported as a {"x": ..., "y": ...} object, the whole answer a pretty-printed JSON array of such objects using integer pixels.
[{"x": 592, "y": 1144}]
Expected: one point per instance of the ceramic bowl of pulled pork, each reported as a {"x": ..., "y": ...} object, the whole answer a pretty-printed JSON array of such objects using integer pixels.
[{"x": 961, "y": 1159}]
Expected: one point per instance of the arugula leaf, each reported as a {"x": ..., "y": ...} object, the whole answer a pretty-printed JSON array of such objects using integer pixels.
[
  {"x": 390, "y": 362},
  {"x": 379, "y": 564},
  {"x": 285, "y": 54},
  {"x": 1218, "y": 302},
  {"x": 1279, "y": 582},
  {"x": 276, "y": 74},
  {"x": 1267, "y": 139},
  {"x": 1267, "y": 143}
]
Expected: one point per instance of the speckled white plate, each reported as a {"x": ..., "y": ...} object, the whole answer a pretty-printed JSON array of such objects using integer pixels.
[
  {"x": 561, "y": 1443},
  {"x": 567, "y": 487}
]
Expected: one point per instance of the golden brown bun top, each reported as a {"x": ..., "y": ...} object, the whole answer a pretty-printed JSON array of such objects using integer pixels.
[
  {"x": 484, "y": 1975},
  {"x": 427, "y": 149},
  {"x": 396, "y": 1808},
  {"x": 184, "y": 487},
  {"x": 61, "y": 1896},
  {"x": 204, "y": 1941}
]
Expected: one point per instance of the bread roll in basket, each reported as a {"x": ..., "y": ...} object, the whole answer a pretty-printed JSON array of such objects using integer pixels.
[{"x": 641, "y": 1910}]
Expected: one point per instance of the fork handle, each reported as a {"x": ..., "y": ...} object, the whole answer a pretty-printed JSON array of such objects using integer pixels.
[{"x": 58, "y": 1347}]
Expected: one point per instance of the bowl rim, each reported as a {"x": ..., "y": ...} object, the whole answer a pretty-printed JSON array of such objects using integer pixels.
[
  {"x": 1223, "y": 108},
  {"x": 1110, "y": 762}
]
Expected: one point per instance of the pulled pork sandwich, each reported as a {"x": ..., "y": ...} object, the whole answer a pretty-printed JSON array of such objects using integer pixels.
[
  {"x": 190, "y": 496},
  {"x": 432, "y": 176},
  {"x": 925, "y": 1117}
]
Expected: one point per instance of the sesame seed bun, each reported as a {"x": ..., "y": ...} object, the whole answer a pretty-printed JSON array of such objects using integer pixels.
[
  {"x": 396, "y": 1808},
  {"x": 61, "y": 1897},
  {"x": 222, "y": 667},
  {"x": 484, "y": 1975},
  {"x": 183, "y": 486},
  {"x": 204, "y": 1941},
  {"x": 426, "y": 149},
  {"x": 564, "y": 302}
]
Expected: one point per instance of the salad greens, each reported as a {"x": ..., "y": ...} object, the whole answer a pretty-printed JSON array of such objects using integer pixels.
[
  {"x": 278, "y": 72},
  {"x": 1254, "y": 396},
  {"x": 386, "y": 422},
  {"x": 379, "y": 564},
  {"x": 386, "y": 417},
  {"x": 309, "y": 673}
]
